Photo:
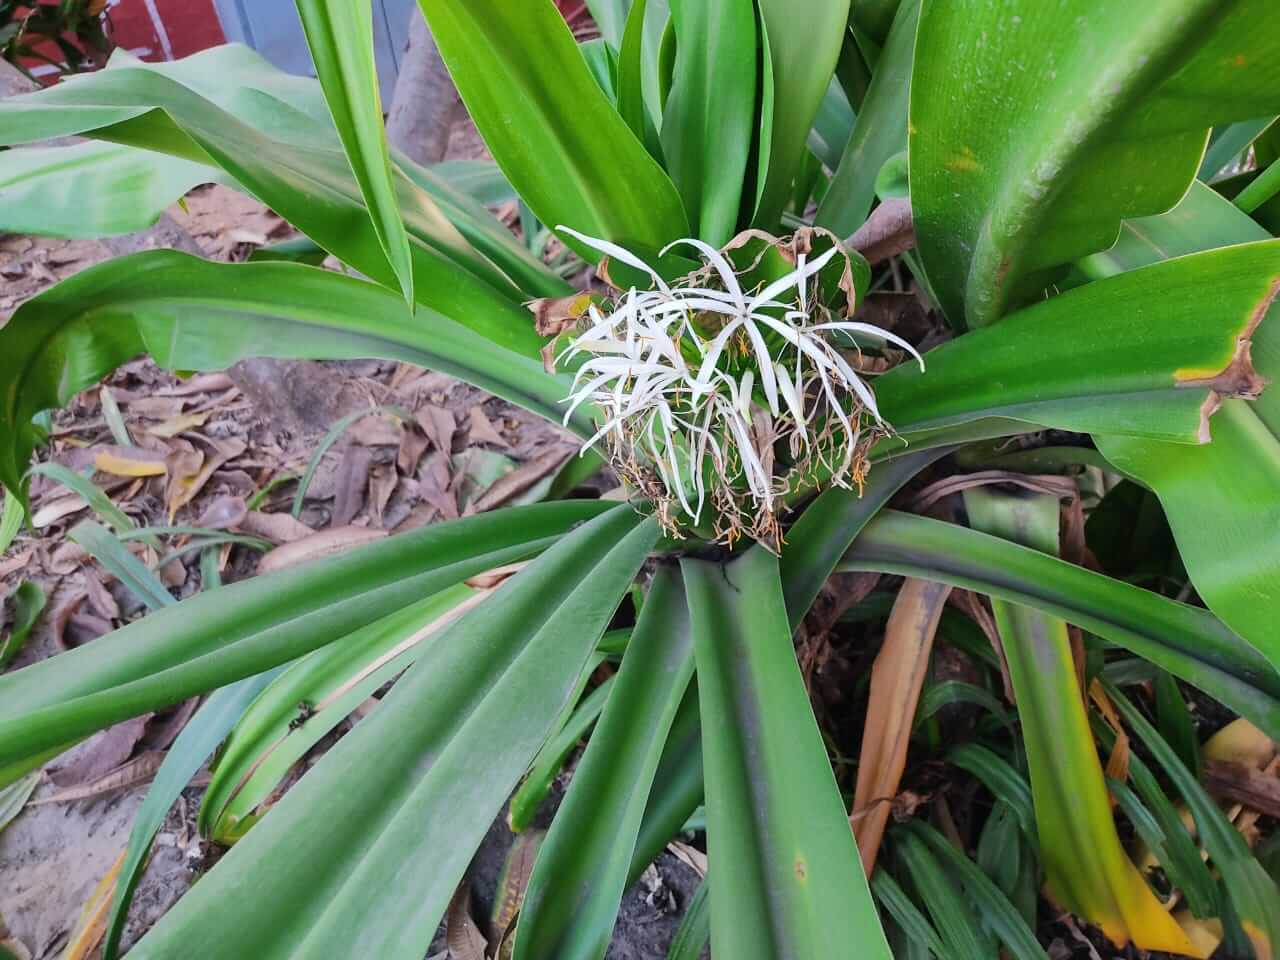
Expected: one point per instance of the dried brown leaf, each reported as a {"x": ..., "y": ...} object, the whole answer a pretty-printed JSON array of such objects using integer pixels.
[
  {"x": 137, "y": 771},
  {"x": 179, "y": 424},
  {"x": 462, "y": 935},
  {"x": 129, "y": 461},
  {"x": 896, "y": 681},
  {"x": 519, "y": 480},
  {"x": 482, "y": 429},
  {"x": 224, "y": 513},
  {"x": 102, "y": 756},
  {"x": 322, "y": 544},
  {"x": 350, "y": 484},
  {"x": 276, "y": 527}
]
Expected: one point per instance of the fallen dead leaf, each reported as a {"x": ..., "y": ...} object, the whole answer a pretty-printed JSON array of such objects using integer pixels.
[
  {"x": 439, "y": 426},
  {"x": 350, "y": 484},
  {"x": 219, "y": 452},
  {"x": 200, "y": 383},
  {"x": 383, "y": 481},
  {"x": 58, "y": 509},
  {"x": 276, "y": 527},
  {"x": 692, "y": 857},
  {"x": 463, "y": 936},
  {"x": 103, "y": 756},
  {"x": 322, "y": 544},
  {"x": 518, "y": 481},
  {"x": 413, "y": 444},
  {"x": 129, "y": 462},
  {"x": 179, "y": 424},
  {"x": 482, "y": 429},
  {"x": 224, "y": 513}
]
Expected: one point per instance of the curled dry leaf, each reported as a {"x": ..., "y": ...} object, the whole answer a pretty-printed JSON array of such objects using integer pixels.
[
  {"x": 491, "y": 578},
  {"x": 439, "y": 426},
  {"x": 888, "y": 231},
  {"x": 182, "y": 491},
  {"x": 322, "y": 544}
]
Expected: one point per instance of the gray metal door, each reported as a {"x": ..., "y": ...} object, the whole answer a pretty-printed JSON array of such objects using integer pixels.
[{"x": 272, "y": 28}]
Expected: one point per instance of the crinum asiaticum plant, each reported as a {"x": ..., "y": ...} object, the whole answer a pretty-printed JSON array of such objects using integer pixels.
[{"x": 720, "y": 362}]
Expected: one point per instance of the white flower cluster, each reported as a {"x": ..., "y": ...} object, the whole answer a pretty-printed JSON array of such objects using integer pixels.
[{"x": 699, "y": 379}]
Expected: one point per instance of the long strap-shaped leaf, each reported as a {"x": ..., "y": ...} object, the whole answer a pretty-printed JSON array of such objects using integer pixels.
[
  {"x": 804, "y": 45},
  {"x": 275, "y": 732},
  {"x": 243, "y": 629},
  {"x": 709, "y": 119},
  {"x": 1086, "y": 869},
  {"x": 551, "y": 129},
  {"x": 879, "y": 132},
  {"x": 1188, "y": 642},
  {"x": 1037, "y": 126},
  {"x": 288, "y": 158},
  {"x": 1141, "y": 351},
  {"x": 193, "y": 314},
  {"x": 340, "y": 36},
  {"x": 578, "y": 880},
  {"x": 1222, "y": 498},
  {"x": 788, "y": 882},
  {"x": 1254, "y": 894},
  {"x": 405, "y": 786}
]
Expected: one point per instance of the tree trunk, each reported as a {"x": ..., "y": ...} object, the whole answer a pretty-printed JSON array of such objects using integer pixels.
[{"x": 425, "y": 100}]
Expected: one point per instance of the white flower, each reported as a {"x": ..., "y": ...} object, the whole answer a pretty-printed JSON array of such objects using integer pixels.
[{"x": 699, "y": 378}]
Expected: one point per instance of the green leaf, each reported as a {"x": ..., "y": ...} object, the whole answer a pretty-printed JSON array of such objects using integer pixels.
[
  {"x": 90, "y": 492},
  {"x": 578, "y": 880},
  {"x": 677, "y": 786},
  {"x": 873, "y": 17},
  {"x": 907, "y": 915},
  {"x": 552, "y": 131},
  {"x": 550, "y": 759},
  {"x": 15, "y": 796},
  {"x": 405, "y": 785},
  {"x": 11, "y": 519},
  {"x": 804, "y": 45},
  {"x": 631, "y": 74},
  {"x": 193, "y": 746},
  {"x": 1253, "y": 893},
  {"x": 788, "y": 881},
  {"x": 709, "y": 120},
  {"x": 213, "y": 639},
  {"x": 1261, "y": 189},
  {"x": 824, "y": 531},
  {"x": 998, "y": 914},
  {"x": 28, "y": 602},
  {"x": 1086, "y": 869},
  {"x": 880, "y": 131},
  {"x": 273, "y": 135},
  {"x": 1037, "y": 127},
  {"x": 116, "y": 559},
  {"x": 91, "y": 189},
  {"x": 274, "y": 731},
  {"x": 611, "y": 17},
  {"x": 1220, "y": 497},
  {"x": 340, "y": 37},
  {"x": 1134, "y": 354},
  {"x": 1001, "y": 779},
  {"x": 955, "y": 919},
  {"x": 1227, "y": 143},
  {"x": 695, "y": 926},
  {"x": 192, "y": 314},
  {"x": 1187, "y": 641}
]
